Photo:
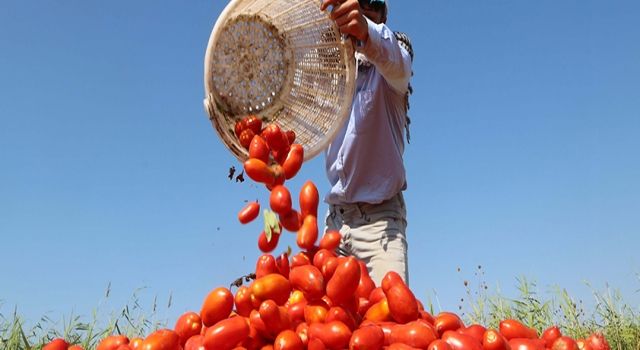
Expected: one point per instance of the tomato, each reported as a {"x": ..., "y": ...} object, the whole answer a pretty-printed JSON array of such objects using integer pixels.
[
  {"x": 366, "y": 284},
  {"x": 188, "y": 325},
  {"x": 195, "y": 343},
  {"x": 330, "y": 240},
  {"x": 309, "y": 199},
  {"x": 337, "y": 313},
  {"x": 390, "y": 278},
  {"x": 427, "y": 317},
  {"x": 122, "y": 347},
  {"x": 288, "y": 340},
  {"x": 266, "y": 265},
  {"x": 282, "y": 262},
  {"x": 239, "y": 128},
  {"x": 135, "y": 343},
  {"x": 584, "y": 345},
  {"x": 309, "y": 280},
  {"x": 315, "y": 312},
  {"x": 253, "y": 123},
  {"x": 273, "y": 286},
  {"x": 378, "y": 312},
  {"x": 526, "y": 344},
  {"x": 227, "y": 334},
  {"x": 291, "y": 136},
  {"x": 598, "y": 342},
  {"x": 512, "y": 329},
  {"x": 367, "y": 338},
  {"x": 550, "y": 335},
  {"x": 300, "y": 259},
  {"x": 76, "y": 347},
  {"x": 321, "y": 256},
  {"x": 275, "y": 318},
  {"x": 265, "y": 245},
  {"x": 163, "y": 339},
  {"x": 400, "y": 346},
  {"x": 280, "y": 200},
  {"x": 447, "y": 321},
  {"x": 334, "y": 335},
  {"x": 293, "y": 162},
  {"x": 308, "y": 233},
  {"x": 217, "y": 306},
  {"x": 296, "y": 312},
  {"x": 316, "y": 344},
  {"x": 459, "y": 341},
  {"x": 416, "y": 334},
  {"x": 439, "y": 344},
  {"x": 60, "y": 344},
  {"x": 249, "y": 213},
  {"x": 564, "y": 343},
  {"x": 402, "y": 303},
  {"x": 278, "y": 176},
  {"x": 376, "y": 295},
  {"x": 245, "y": 138},
  {"x": 344, "y": 282},
  {"x": 259, "y": 171},
  {"x": 242, "y": 300},
  {"x": 329, "y": 267},
  {"x": 258, "y": 149},
  {"x": 291, "y": 221},
  {"x": 111, "y": 342},
  {"x": 493, "y": 340},
  {"x": 275, "y": 138},
  {"x": 475, "y": 330}
]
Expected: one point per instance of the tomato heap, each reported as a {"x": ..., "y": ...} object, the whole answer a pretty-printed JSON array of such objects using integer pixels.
[{"x": 316, "y": 299}]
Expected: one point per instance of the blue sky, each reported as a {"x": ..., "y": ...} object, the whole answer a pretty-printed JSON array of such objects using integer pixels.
[{"x": 524, "y": 156}]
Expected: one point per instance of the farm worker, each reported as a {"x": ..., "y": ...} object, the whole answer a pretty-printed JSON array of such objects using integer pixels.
[{"x": 364, "y": 162}]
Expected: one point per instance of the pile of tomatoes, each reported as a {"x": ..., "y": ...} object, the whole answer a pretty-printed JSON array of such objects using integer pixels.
[{"x": 316, "y": 299}]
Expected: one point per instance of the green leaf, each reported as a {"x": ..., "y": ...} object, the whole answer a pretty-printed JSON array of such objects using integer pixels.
[{"x": 271, "y": 224}]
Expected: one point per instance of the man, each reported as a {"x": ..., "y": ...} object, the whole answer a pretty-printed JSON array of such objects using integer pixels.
[{"x": 364, "y": 163}]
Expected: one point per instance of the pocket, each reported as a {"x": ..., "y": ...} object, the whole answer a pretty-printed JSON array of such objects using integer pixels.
[{"x": 364, "y": 99}]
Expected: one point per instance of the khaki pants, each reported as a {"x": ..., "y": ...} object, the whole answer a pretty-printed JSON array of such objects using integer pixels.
[{"x": 374, "y": 233}]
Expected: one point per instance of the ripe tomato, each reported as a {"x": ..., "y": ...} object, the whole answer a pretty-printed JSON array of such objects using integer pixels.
[
  {"x": 249, "y": 213},
  {"x": 195, "y": 343},
  {"x": 122, "y": 347},
  {"x": 330, "y": 240},
  {"x": 265, "y": 245},
  {"x": 367, "y": 338},
  {"x": 459, "y": 341},
  {"x": 273, "y": 286},
  {"x": 308, "y": 233},
  {"x": 512, "y": 329},
  {"x": 378, "y": 312},
  {"x": 598, "y": 342},
  {"x": 293, "y": 161},
  {"x": 188, "y": 325},
  {"x": 309, "y": 199},
  {"x": 447, "y": 321},
  {"x": 58, "y": 344},
  {"x": 334, "y": 335},
  {"x": 275, "y": 138},
  {"x": 337, "y": 313},
  {"x": 439, "y": 344},
  {"x": 584, "y": 345},
  {"x": 475, "y": 330},
  {"x": 309, "y": 280},
  {"x": 316, "y": 344},
  {"x": 300, "y": 259},
  {"x": 376, "y": 295},
  {"x": 288, "y": 340},
  {"x": 227, "y": 334},
  {"x": 245, "y": 138},
  {"x": 526, "y": 344},
  {"x": 291, "y": 221},
  {"x": 243, "y": 302},
  {"x": 291, "y": 136},
  {"x": 240, "y": 127},
  {"x": 321, "y": 256},
  {"x": 253, "y": 123},
  {"x": 315, "y": 312},
  {"x": 329, "y": 267},
  {"x": 280, "y": 200},
  {"x": 112, "y": 342},
  {"x": 217, "y": 306},
  {"x": 135, "y": 343},
  {"x": 77, "y": 347},
  {"x": 390, "y": 278},
  {"x": 366, "y": 284},
  {"x": 417, "y": 334},
  {"x": 344, "y": 282},
  {"x": 400, "y": 346},
  {"x": 266, "y": 265},
  {"x": 282, "y": 262},
  {"x": 564, "y": 343},
  {"x": 259, "y": 149},
  {"x": 275, "y": 318},
  {"x": 402, "y": 303},
  {"x": 259, "y": 171},
  {"x": 493, "y": 340},
  {"x": 296, "y": 312},
  {"x": 550, "y": 335},
  {"x": 163, "y": 339}
]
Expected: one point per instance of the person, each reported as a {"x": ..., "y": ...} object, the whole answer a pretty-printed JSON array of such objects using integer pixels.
[{"x": 364, "y": 163}]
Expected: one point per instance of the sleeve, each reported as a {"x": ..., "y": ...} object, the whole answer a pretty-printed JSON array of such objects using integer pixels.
[{"x": 390, "y": 58}]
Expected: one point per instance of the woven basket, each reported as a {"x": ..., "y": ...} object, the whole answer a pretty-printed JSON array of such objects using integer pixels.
[{"x": 284, "y": 61}]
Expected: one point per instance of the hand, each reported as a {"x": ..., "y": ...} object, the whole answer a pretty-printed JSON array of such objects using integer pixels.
[{"x": 349, "y": 17}]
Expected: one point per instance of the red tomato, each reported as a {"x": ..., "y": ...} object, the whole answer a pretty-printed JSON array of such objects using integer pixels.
[
  {"x": 245, "y": 138},
  {"x": 390, "y": 278},
  {"x": 259, "y": 149},
  {"x": 321, "y": 256},
  {"x": 265, "y": 245},
  {"x": 564, "y": 343},
  {"x": 598, "y": 342},
  {"x": 249, "y": 213},
  {"x": 367, "y": 338},
  {"x": 278, "y": 176},
  {"x": 309, "y": 199},
  {"x": 512, "y": 329},
  {"x": 427, "y": 317},
  {"x": 122, "y": 347},
  {"x": 447, "y": 321},
  {"x": 308, "y": 233},
  {"x": 112, "y": 342},
  {"x": 584, "y": 345},
  {"x": 188, "y": 325},
  {"x": 402, "y": 303},
  {"x": 296, "y": 312},
  {"x": 280, "y": 200},
  {"x": 163, "y": 339},
  {"x": 293, "y": 162},
  {"x": 315, "y": 312},
  {"x": 135, "y": 343},
  {"x": 253, "y": 123},
  {"x": 400, "y": 346},
  {"x": 329, "y": 267},
  {"x": 266, "y": 265},
  {"x": 550, "y": 335},
  {"x": 366, "y": 284},
  {"x": 291, "y": 221},
  {"x": 243, "y": 302},
  {"x": 475, "y": 330},
  {"x": 259, "y": 171},
  {"x": 195, "y": 343},
  {"x": 240, "y": 127},
  {"x": 300, "y": 259},
  {"x": 275, "y": 318},
  {"x": 334, "y": 335},
  {"x": 58, "y": 344},
  {"x": 376, "y": 295},
  {"x": 344, "y": 282},
  {"x": 273, "y": 286},
  {"x": 288, "y": 340},
  {"x": 378, "y": 312},
  {"x": 417, "y": 334},
  {"x": 337, "y": 313},
  {"x": 282, "y": 262},
  {"x": 217, "y": 306},
  {"x": 330, "y": 240},
  {"x": 291, "y": 136},
  {"x": 275, "y": 138},
  {"x": 227, "y": 334},
  {"x": 493, "y": 340},
  {"x": 526, "y": 344},
  {"x": 77, "y": 347},
  {"x": 316, "y": 344},
  {"x": 459, "y": 341},
  {"x": 439, "y": 344},
  {"x": 309, "y": 280}
]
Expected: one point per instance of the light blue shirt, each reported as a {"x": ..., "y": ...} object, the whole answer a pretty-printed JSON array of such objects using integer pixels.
[{"x": 364, "y": 162}]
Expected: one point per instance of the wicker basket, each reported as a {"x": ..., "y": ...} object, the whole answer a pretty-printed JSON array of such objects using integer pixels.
[{"x": 284, "y": 61}]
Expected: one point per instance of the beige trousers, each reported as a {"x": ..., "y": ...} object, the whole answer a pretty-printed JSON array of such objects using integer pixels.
[{"x": 374, "y": 233}]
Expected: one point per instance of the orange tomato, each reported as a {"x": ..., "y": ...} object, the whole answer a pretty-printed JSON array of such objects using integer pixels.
[
  {"x": 57, "y": 344},
  {"x": 280, "y": 200},
  {"x": 135, "y": 343},
  {"x": 275, "y": 318},
  {"x": 112, "y": 342},
  {"x": 188, "y": 325},
  {"x": 315, "y": 312},
  {"x": 217, "y": 306},
  {"x": 227, "y": 334},
  {"x": 378, "y": 312},
  {"x": 367, "y": 338},
  {"x": 293, "y": 161},
  {"x": 163, "y": 339},
  {"x": 309, "y": 199},
  {"x": 249, "y": 213},
  {"x": 308, "y": 233},
  {"x": 344, "y": 282},
  {"x": 400, "y": 346},
  {"x": 259, "y": 171},
  {"x": 288, "y": 340},
  {"x": 243, "y": 302},
  {"x": 273, "y": 286}
]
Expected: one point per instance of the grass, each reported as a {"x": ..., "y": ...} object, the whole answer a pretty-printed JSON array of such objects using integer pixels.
[{"x": 611, "y": 315}]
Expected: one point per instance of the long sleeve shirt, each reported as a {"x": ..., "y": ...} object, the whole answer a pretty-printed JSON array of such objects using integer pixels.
[{"x": 364, "y": 162}]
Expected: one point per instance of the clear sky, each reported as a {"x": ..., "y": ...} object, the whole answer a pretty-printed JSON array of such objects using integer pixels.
[{"x": 525, "y": 152}]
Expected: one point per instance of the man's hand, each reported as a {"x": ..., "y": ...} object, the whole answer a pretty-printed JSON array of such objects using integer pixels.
[{"x": 349, "y": 17}]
